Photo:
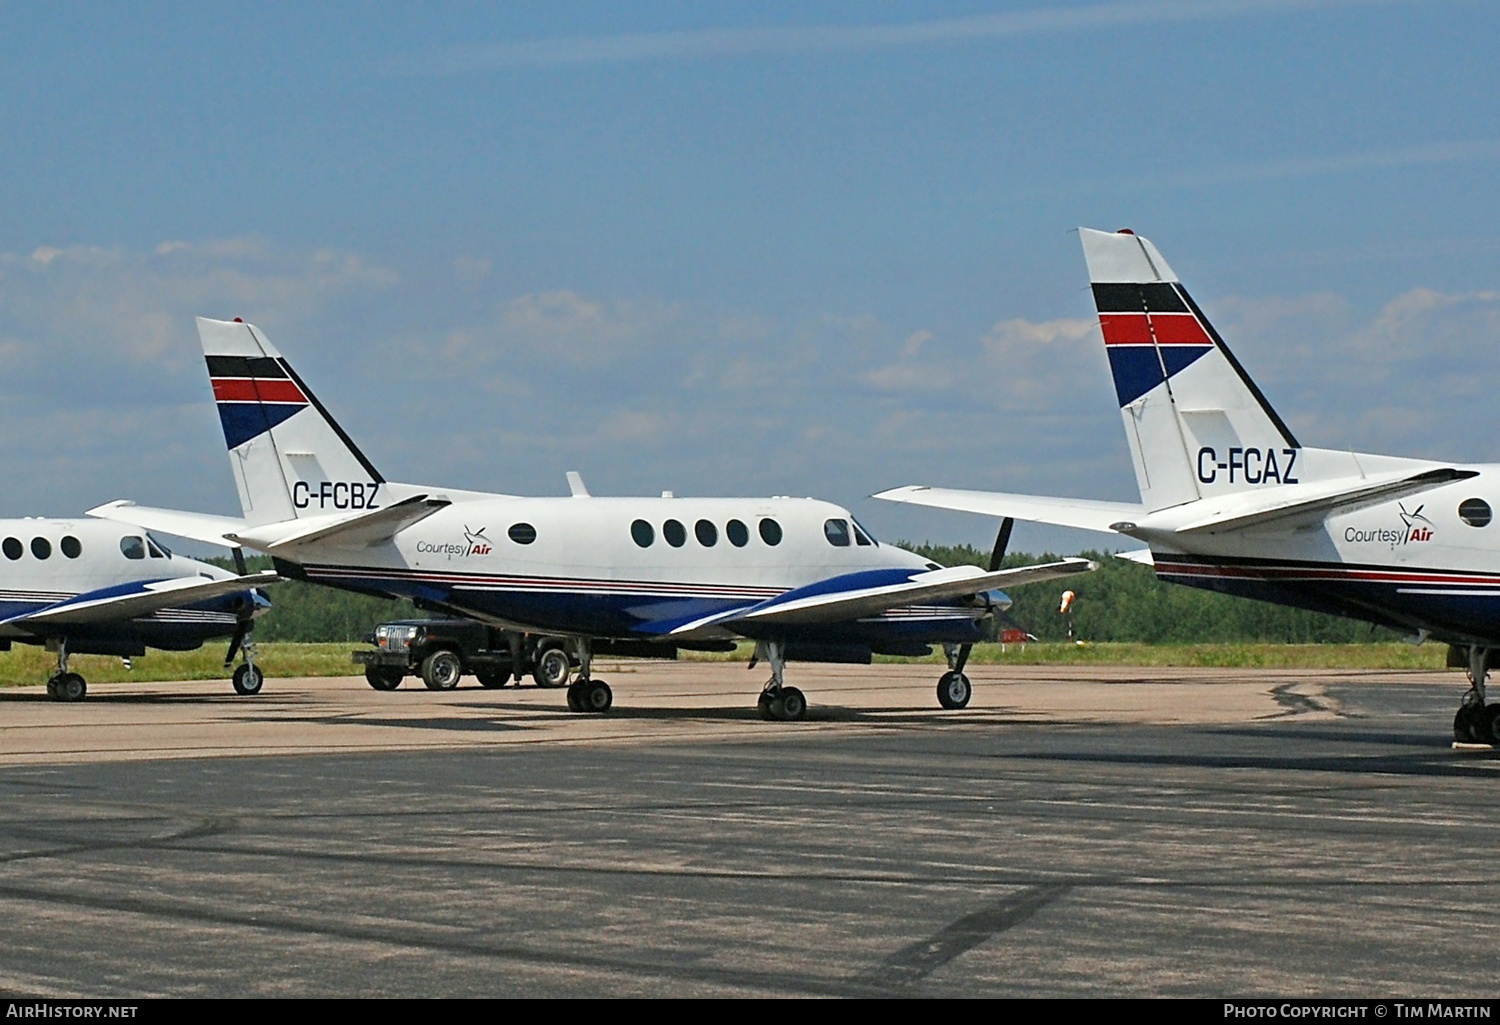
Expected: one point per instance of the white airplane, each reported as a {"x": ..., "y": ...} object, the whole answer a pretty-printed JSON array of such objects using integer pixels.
[
  {"x": 86, "y": 587},
  {"x": 1232, "y": 502},
  {"x": 799, "y": 577}
]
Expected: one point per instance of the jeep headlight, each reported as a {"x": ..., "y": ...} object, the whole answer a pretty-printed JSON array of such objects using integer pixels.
[{"x": 394, "y": 638}]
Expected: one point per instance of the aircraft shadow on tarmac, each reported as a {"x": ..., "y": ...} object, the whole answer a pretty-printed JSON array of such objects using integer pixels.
[{"x": 1361, "y": 765}]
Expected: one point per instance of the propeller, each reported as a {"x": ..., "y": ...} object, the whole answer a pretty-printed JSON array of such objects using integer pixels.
[
  {"x": 997, "y": 556},
  {"x": 244, "y": 612},
  {"x": 1002, "y": 542}
]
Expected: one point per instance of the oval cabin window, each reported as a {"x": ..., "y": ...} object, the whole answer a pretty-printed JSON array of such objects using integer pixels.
[
  {"x": 770, "y": 531},
  {"x": 1475, "y": 512},
  {"x": 642, "y": 533},
  {"x": 738, "y": 533},
  {"x": 706, "y": 533},
  {"x": 674, "y": 533},
  {"x": 71, "y": 547},
  {"x": 12, "y": 547},
  {"x": 522, "y": 533},
  {"x": 41, "y": 548}
]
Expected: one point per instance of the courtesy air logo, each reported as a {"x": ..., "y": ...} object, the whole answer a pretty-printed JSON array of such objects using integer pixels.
[
  {"x": 478, "y": 543},
  {"x": 1414, "y": 528}
]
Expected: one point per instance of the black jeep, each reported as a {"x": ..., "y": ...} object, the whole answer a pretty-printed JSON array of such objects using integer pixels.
[{"x": 442, "y": 650}]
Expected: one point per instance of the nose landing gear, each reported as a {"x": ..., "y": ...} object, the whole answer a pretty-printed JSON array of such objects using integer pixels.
[{"x": 777, "y": 701}]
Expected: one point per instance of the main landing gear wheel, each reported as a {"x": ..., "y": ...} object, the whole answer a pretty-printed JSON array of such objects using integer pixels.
[
  {"x": 441, "y": 670},
  {"x": 383, "y": 678},
  {"x": 590, "y": 696},
  {"x": 67, "y": 687},
  {"x": 1475, "y": 723},
  {"x": 552, "y": 669},
  {"x": 248, "y": 679},
  {"x": 954, "y": 691}
]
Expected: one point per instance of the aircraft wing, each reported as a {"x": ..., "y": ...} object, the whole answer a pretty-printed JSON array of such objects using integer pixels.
[
  {"x": 1314, "y": 501},
  {"x": 862, "y": 594},
  {"x": 133, "y": 600},
  {"x": 1085, "y": 514},
  {"x": 214, "y": 530}
]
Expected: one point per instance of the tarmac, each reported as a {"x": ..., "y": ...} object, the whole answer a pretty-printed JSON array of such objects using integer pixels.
[{"x": 1075, "y": 832}]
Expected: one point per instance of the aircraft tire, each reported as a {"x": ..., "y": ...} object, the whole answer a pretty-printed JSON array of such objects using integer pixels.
[
  {"x": 1488, "y": 729},
  {"x": 597, "y": 697},
  {"x": 383, "y": 677},
  {"x": 954, "y": 691},
  {"x": 575, "y": 697},
  {"x": 247, "y": 680},
  {"x": 763, "y": 703},
  {"x": 791, "y": 703},
  {"x": 552, "y": 668},
  {"x": 492, "y": 680},
  {"x": 441, "y": 670},
  {"x": 1466, "y": 725},
  {"x": 52, "y": 689},
  {"x": 71, "y": 687}
]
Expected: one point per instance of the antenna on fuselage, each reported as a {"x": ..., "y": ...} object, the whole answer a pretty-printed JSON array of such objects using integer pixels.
[{"x": 576, "y": 485}]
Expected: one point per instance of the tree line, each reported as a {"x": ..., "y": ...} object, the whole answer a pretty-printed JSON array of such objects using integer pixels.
[{"x": 1121, "y": 601}]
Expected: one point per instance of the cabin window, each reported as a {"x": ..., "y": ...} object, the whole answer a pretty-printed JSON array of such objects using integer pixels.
[
  {"x": 675, "y": 533},
  {"x": 837, "y": 532},
  {"x": 521, "y": 533},
  {"x": 706, "y": 533},
  {"x": 133, "y": 547},
  {"x": 861, "y": 535},
  {"x": 12, "y": 547},
  {"x": 70, "y": 546},
  {"x": 642, "y": 533},
  {"x": 1475, "y": 512},
  {"x": 738, "y": 533},
  {"x": 770, "y": 531},
  {"x": 41, "y": 548}
]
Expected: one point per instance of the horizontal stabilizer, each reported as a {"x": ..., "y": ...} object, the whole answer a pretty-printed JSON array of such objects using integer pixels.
[
  {"x": 213, "y": 530},
  {"x": 131, "y": 601},
  {"x": 1281, "y": 506},
  {"x": 828, "y": 602},
  {"x": 1083, "y": 514},
  {"x": 361, "y": 530}
]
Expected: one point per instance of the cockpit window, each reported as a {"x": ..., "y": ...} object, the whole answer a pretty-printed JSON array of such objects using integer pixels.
[
  {"x": 837, "y": 532},
  {"x": 133, "y": 547},
  {"x": 154, "y": 548},
  {"x": 861, "y": 535}
]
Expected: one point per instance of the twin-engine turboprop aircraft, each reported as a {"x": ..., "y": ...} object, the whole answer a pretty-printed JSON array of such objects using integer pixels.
[
  {"x": 1232, "y": 502},
  {"x": 86, "y": 587},
  {"x": 799, "y": 577}
]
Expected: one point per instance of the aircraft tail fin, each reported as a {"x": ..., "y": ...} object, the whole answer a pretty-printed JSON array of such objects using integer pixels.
[
  {"x": 290, "y": 457},
  {"x": 1196, "y": 423}
]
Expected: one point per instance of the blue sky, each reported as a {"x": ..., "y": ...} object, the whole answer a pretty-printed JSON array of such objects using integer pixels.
[{"x": 733, "y": 249}]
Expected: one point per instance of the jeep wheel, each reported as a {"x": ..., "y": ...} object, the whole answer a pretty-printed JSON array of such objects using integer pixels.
[
  {"x": 441, "y": 670},
  {"x": 383, "y": 677},
  {"x": 552, "y": 668}
]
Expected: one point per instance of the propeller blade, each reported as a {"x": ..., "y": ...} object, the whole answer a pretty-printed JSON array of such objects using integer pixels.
[{"x": 1002, "y": 542}]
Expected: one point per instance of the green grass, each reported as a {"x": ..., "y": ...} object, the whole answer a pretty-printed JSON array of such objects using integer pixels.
[{"x": 27, "y": 664}]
